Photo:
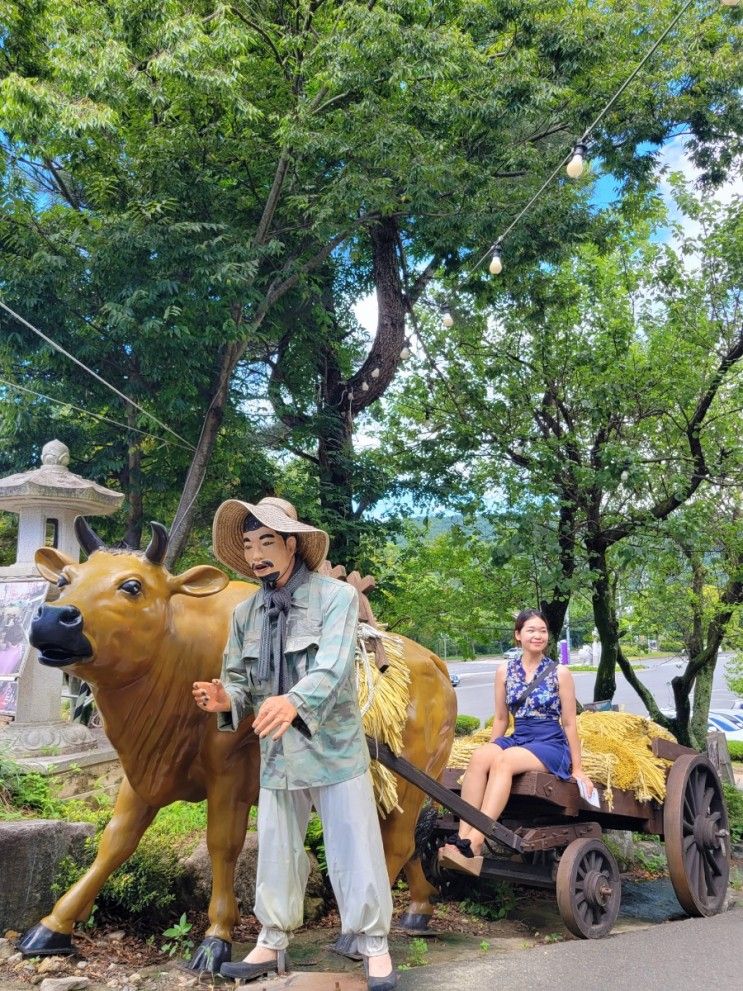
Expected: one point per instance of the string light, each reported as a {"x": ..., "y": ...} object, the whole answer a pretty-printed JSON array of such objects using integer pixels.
[
  {"x": 447, "y": 319},
  {"x": 574, "y": 160},
  {"x": 405, "y": 353},
  {"x": 375, "y": 373},
  {"x": 496, "y": 262},
  {"x": 576, "y": 165},
  {"x": 364, "y": 386}
]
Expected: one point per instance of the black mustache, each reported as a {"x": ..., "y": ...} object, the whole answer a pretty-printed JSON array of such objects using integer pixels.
[{"x": 264, "y": 564}]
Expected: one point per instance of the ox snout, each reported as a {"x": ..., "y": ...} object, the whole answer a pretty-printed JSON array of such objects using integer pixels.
[{"x": 57, "y": 633}]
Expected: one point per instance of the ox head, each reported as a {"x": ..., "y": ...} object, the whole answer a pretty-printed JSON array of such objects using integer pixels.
[{"x": 113, "y": 609}]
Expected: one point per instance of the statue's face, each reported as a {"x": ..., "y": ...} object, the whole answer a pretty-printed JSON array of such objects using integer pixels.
[{"x": 269, "y": 554}]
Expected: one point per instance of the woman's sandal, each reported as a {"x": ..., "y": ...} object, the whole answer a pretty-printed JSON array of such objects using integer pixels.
[
  {"x": 244, "y": 970},
  {"x": 456, "y": 855}
]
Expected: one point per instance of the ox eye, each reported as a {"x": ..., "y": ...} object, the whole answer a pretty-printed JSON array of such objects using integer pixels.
[
  {"x": 131, "y": 587},
  {"x": 62, "y": 581}
]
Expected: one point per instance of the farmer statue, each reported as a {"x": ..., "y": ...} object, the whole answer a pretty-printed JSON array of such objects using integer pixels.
[{"x": 290, "y": 662}]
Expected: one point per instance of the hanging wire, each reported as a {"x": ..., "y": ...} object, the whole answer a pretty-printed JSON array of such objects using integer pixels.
[
  {"x": 651, "y": 51},
  {"x": 87, "y": 412},
  {"x": 58, "y": 347}
]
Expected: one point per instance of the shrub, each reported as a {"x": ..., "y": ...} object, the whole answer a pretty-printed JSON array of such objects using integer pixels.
[
  {"x": 734, "y": 800},
  {"x": 315, "y": 842},
  {"x": 152, "y": 881},
  {"x": 466, "y": 725},
  {"x": 22, "y": 793},
  {"x": 735, "y": 749}
]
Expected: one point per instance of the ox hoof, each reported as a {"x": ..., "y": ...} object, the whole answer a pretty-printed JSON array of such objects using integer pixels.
[
  {"x": 345, "y": 946},
  {"x": 414, "y": 923},
  {"x": 210, "y": 955},
  {"x": 38, "y": 941}
]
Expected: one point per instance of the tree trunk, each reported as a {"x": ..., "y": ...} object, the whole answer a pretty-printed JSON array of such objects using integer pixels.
[
  {"x": 605, "y": 618},
  {"x": 335, "y": 456},
  {"x": 133, "y": 535},
  {"x": 702, "y": 698},
  {"x": 183, "y": 521}
]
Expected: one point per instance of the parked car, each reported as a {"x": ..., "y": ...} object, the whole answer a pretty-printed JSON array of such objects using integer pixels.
[
  {"x": 730, "y": 715},
  {"x": 717, "y": 720},
  {"x": 512, "y": 653},
  {"x": 454, "y": 678}
]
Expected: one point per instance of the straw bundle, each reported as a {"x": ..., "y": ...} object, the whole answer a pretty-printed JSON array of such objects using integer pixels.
[{"x": 383, "y": 700}]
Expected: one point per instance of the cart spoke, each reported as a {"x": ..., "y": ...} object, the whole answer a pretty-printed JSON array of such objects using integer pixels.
[
  {"x": 688, "y": 841},
  {"x": 711, "y": 857},
  {"x": 697, "y": 783},
  {"x": 708, "y": 793}
]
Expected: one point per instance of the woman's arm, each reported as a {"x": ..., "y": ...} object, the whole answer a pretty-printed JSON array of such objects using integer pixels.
[
  {"x": 569, "y": 725},
  {"x": 500, "y": 717}
]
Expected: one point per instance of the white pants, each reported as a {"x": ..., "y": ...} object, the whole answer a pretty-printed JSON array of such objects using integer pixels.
[{"x": 353, "y": 848}]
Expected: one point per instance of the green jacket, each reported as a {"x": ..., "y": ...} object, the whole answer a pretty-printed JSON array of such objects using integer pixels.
[{"x": 320, "y": 652}]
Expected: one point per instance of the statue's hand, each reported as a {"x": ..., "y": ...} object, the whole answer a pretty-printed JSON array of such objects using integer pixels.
[
  {"x": 275, "y": 716},
  {"x": 211, "y": 696}
]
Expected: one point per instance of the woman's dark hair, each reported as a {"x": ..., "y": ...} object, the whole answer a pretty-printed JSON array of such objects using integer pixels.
[{"x": 527, "y": 614}]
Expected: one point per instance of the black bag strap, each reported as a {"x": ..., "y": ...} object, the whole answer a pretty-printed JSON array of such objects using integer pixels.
[{"x": 533, "y": 684}]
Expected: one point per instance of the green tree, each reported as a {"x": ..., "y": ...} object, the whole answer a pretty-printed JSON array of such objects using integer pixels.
[
  {"x": 608, "y": 387},
  {"x": 693, "y": 585},
  {"x": 182, "y": 179}
]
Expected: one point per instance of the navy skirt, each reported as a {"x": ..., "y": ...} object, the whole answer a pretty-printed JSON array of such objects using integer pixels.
[{"x": 545, "y": 738}]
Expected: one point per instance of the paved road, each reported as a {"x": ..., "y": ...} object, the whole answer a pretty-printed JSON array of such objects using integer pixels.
[
  {"x": 689, "y": 955},
  {"x": 475, "y": 691}
]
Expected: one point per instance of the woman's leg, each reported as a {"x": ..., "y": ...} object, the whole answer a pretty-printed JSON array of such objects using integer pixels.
[
  {"x": 515, "y": 760},
  {"x": 476, "y": 777}
]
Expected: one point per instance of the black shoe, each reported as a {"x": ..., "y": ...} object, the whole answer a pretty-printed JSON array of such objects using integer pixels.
[
  {"x": 386, "y": 983},
  {"x": 244, "y": 970}
]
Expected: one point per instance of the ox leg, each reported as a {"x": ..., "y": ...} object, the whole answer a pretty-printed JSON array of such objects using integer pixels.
[
  {"x": 53, "y": 935},
  {"x": 398, "y": 836},
  {"x": 227, "y": 821}
]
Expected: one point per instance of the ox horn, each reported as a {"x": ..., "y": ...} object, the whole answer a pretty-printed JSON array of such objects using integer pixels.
[
  {"x": 158, "y": 544},
  {"x": 87, "y": 537}
]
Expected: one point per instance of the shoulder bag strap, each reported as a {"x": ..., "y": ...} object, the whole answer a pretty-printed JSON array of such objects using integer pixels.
[{"x": 533, "y": 684}]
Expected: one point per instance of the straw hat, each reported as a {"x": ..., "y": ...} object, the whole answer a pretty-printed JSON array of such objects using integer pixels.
[{"x": 276, "y": 514}]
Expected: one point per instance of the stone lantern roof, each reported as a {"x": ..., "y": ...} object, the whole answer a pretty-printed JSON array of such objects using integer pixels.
[{"x": 53, "y": 485}]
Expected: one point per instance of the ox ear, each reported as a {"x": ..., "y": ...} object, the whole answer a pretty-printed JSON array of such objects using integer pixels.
[
  {"x": 50, "y": 563},
  {"x": 201, "y": 580}
]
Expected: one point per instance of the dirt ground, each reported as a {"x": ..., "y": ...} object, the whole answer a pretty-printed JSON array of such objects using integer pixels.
[{"x": 130, "y": 958}]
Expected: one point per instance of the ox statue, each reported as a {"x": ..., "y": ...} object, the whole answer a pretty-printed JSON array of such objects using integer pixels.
[{"x": 140, "y": 637}]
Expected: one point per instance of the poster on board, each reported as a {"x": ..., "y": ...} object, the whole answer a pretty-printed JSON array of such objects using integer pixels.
[{"x": 18, "y": 604}]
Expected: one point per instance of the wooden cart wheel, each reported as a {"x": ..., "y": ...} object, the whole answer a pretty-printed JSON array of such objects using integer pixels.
[
  {"x": 588, "y": 888},
  {"x": 695, "y": 824}
]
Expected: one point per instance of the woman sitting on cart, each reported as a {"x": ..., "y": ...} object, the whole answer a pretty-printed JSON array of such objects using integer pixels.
[{"x": 541, "y": 696}]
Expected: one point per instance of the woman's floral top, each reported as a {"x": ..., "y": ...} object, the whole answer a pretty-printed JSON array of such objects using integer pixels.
[{"x": 544, "y": 701}]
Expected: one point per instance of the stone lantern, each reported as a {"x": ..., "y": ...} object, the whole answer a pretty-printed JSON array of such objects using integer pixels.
[{"x": 47, "y": 500}]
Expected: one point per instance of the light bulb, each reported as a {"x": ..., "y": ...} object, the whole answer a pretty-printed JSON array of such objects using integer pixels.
[
  {"x": 447, "y": 320},
  {"x": 364, "y": 386},
  {"x": 375, "y": 373},
  {"x": 496, "y": 264},
  {"x": 576, "y": 165},
  {"x": 405, "y": 353},
  {"x": 624, "y": 476}
]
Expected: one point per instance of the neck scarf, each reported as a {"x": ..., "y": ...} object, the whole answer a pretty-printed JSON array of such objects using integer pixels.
[{"x": 277, "y": 602}]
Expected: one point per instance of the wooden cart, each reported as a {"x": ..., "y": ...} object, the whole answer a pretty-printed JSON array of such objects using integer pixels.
[{"x": 548, "y": 837}]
